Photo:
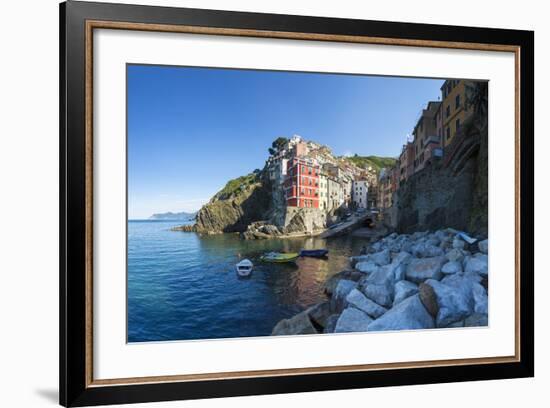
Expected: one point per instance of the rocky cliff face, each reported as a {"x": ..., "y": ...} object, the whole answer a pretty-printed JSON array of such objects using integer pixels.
[{"x": 241, "y": 202}]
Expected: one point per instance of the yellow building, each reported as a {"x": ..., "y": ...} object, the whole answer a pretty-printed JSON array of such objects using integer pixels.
[{"x": 453, "y": 108}]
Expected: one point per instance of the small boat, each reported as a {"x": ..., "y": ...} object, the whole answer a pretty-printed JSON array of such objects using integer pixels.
[
  {"x": 244, "y": 268},
  {"x": 314, "y": 253},
  {"x": 279, "y": 257}
]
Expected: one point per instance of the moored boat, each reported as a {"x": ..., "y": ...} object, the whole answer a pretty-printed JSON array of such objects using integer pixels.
[
  {"x": 244, "y": 268},
  {"x": 314, "y": 253},
  {"x": 279, "y": 257}
]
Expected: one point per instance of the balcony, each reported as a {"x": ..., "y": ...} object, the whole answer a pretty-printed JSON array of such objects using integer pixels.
[{"x": 431, "y": 139}]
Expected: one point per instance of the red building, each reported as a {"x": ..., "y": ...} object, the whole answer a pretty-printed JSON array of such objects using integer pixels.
[{"x": 302, "y": 183}]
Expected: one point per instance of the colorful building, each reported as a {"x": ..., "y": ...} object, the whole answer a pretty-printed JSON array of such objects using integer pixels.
[
  {"x": 372, "y": 195},
  {"x": 406, "y": 161},
  {"x": 336, "y": 195},
  {"x": 277, "y": 167},
  {"x": 454, "y": 112},
  {"x": 360, "y": 192},
  {"x": 323, "y": 191},
  {"x": 302, "y": 183},
  {"x": 425, "y": 135}
]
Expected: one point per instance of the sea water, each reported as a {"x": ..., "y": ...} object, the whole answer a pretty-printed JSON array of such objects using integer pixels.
[{"x": 183, "y": 285}]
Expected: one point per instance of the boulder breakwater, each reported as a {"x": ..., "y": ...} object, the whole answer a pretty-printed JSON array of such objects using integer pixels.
[{"x": 423, "y": 280}]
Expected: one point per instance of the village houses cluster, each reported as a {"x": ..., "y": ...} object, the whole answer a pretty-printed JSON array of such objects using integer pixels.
[
  {"x": 433, "y": 136},
  {"x": 311, "y": 177}
]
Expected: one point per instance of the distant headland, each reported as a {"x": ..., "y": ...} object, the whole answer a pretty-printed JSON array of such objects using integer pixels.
[{"x": 170, "y": 216}]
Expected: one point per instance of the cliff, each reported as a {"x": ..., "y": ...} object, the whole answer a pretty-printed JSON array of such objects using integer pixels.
[{"x": 241, "y": 202}]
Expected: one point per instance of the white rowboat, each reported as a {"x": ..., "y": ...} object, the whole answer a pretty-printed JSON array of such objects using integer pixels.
[{"x": 244, "y": 268}]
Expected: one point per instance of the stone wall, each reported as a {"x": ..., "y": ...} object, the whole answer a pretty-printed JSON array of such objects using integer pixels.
[{"x": 453, "y": 194}]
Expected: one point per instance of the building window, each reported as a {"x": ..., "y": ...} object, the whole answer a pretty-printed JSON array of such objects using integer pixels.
[
  {"x": 448, "y": 111},
  {"x": 457, "y": 124},
  {"x": 457, "y": 101},
  {"x": 448, "y": 132}
]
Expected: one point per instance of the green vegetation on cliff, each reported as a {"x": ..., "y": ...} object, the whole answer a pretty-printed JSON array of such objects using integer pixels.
[
  {"x": 235, "y": 186},
  {"x": 376, "y": 162},
  {"x": 240, "y": 202}
]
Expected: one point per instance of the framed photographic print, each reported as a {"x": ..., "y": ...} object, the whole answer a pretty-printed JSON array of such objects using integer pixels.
[{"x": 255, "y": 203}]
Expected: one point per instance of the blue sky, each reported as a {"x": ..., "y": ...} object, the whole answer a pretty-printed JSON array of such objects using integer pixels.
[{"x": 192, "y": 129}]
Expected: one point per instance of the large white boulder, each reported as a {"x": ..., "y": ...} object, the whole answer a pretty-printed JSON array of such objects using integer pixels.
[
  {"x": 381, "y": 293},
  {"x": 481, "y": 301},
  {"x": 381, "y": 258},
  {"x": 455, "y": 255},
  {"x": 453, "y": 304},
  {"x": 299, "y": 324},
  {"x": 458, "y": 296},
  {"x": 358, "y": 300},
  {"x": 379, "y": 286},
  {"x": 407, "y": 315},
  {"x": 367, "y": 267},
  {"x": 451, "y": 267},
  {"x": 418, "y": 270},
  {"x": 479, "y": 263},
  {"x": 402, "y": 290},
  {"x": 352, "y": 320}
]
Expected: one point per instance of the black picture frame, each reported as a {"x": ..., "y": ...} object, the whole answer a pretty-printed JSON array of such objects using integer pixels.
[{"x": 75, "y": 389}]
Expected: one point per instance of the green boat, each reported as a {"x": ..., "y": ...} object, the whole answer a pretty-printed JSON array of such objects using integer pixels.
[{"x": 279, "y": 257}]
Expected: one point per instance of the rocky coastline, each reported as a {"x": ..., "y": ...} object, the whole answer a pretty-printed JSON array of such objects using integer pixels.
[{"x": 422, "y": 280}]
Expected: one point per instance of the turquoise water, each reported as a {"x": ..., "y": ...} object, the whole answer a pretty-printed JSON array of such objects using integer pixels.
[{"x": 184, "y": 286}]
